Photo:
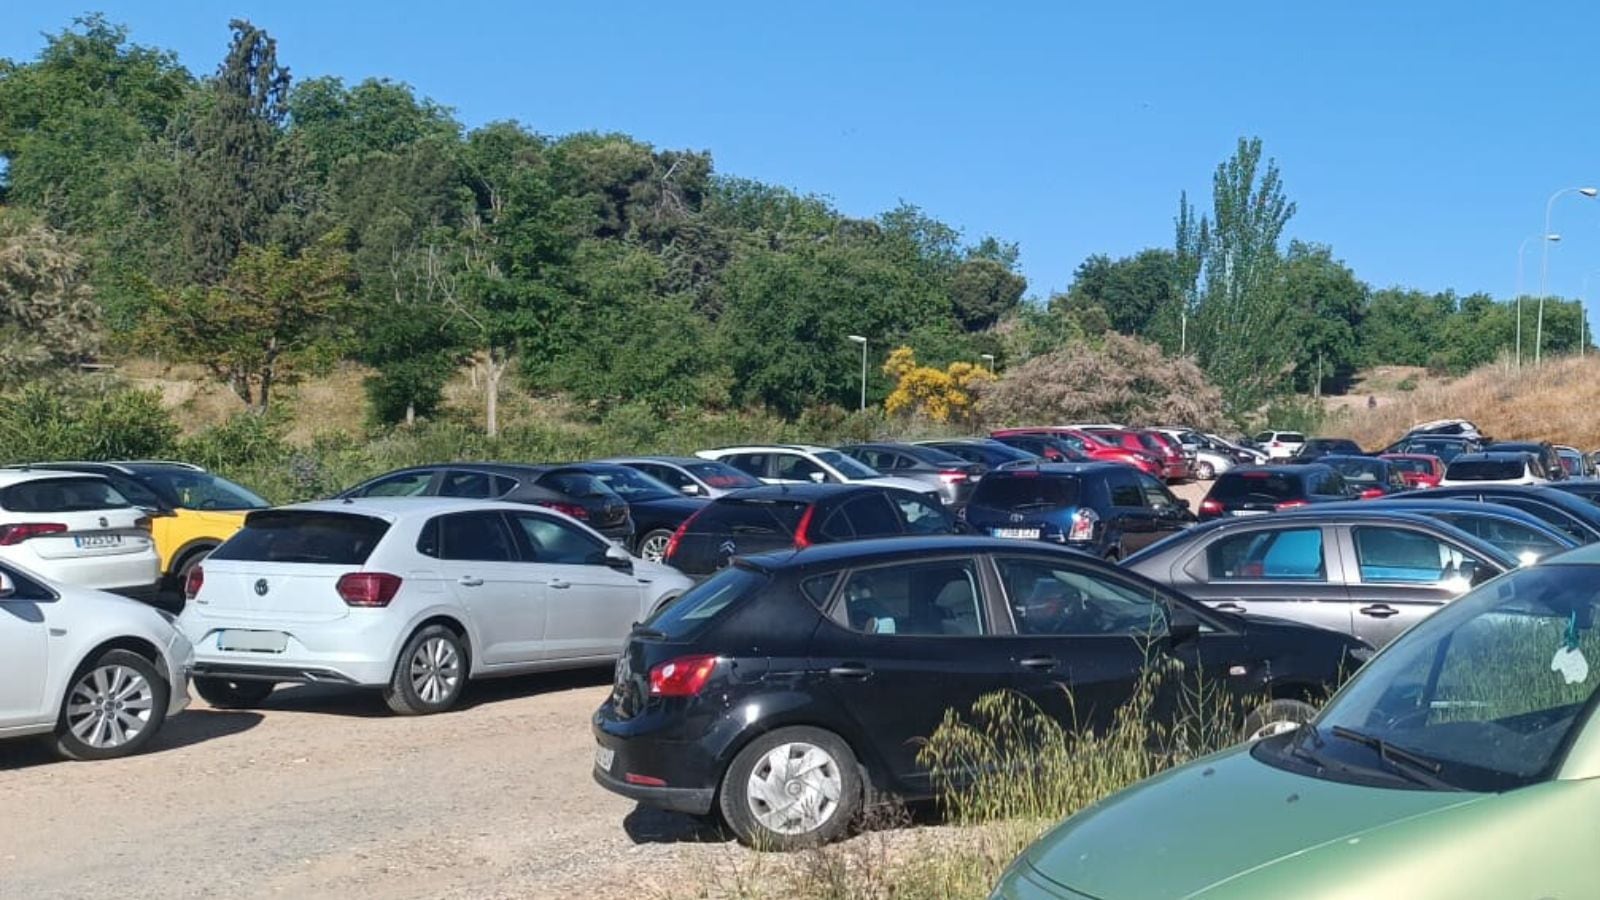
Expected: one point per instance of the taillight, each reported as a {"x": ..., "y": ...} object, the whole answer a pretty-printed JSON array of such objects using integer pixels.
[
  {"x": 192, "y": 584},
  {"x": 802, "y": 532},
  {"x": 1211, "y": 507},
  {"x": 142, "y": 523},
  {"x": 1275, "y": 444},
  {"x": 682, "y": 677},
  {"x": 952, "y": 476},
  {"x": 11, "y": 535},
  {"x": 1083, "y": 522},
  {"x": 1290, "y": 504},
  {"x": 677, "y": 536},
  {"x": 1372, "y": 493},
  {"x": 570, "y": 509},
  {"x": 367, "y": 588}
]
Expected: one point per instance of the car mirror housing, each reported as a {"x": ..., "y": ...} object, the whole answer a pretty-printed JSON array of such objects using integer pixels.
[
  {"x": 8, "y": 587},
  {"x": 692, "y": 490},
  {"x": 819, "y": 477},
  {"x": 618, "y": 558}
]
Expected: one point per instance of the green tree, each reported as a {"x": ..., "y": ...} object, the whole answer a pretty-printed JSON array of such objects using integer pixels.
[
  {"x": 982, "y": 290},
  {"x": 1130, "y": 290},
  {"x": 48, "y": 317},
  {"x": 1402, "y": 327},
  {"x": 1325, "y": 303}
]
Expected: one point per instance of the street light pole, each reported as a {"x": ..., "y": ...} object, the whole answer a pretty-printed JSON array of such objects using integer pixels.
[
  {"x": 1544, "y": 265},
  {"x": 856, "y": 338},
  {"x": 988, "y": 357},
  {"x": 1522, "y": 248}
]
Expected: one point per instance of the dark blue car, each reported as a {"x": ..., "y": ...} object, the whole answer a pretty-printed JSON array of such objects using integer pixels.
[{"x": 1107, "y": 509}]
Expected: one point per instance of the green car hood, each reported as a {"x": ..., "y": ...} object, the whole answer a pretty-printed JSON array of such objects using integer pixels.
[{"x": 1194, "y": 828}]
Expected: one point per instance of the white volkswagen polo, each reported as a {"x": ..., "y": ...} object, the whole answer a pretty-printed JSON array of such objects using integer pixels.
[
  {"x": 73, "y": 527},
  {"x": 412, "y": 596}
]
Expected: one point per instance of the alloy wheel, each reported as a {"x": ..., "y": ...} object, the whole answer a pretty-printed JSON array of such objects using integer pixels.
[
  {"x": 795, "y": 788},
  {"x": 435, "y": 670},
  {"x": 110, "y": 706},
  {"x": 654, "y": 548}
]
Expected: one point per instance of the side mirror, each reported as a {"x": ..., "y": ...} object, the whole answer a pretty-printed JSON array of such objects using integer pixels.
[
  {"x": 156, "y": 512},
  {"x": 819, "y": 477},
  {"x": 691, "y": 489},
  {"x": 7, "y": 586},
  {"x": 618, "y": 558},
  {"x": 1182, "y": 625}
]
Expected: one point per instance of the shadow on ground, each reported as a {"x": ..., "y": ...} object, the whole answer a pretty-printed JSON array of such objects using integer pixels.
[{"x": 195, "y": 726}]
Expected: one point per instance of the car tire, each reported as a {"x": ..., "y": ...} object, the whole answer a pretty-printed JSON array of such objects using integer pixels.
[
  {"x": 653, "y": 546},
  {"x": 114, "y": 705},
  {"x": 761, "y": 778},
  {"x": 1204, "y": 471},
  {"x": 224, "y": 693},
  {"x": 1275, "y": 717},
  {"x": 430, "y": 673}
]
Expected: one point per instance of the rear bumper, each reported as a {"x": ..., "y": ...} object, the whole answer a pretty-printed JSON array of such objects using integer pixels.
[
  {"x": 693, "y": 801},
  {"x": 119, "y": 573},
  {"x": 679, "y": 772},
  {"x": 358, "y": 649}
]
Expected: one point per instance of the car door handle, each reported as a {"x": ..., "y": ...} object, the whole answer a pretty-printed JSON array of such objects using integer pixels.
[
  {"x": 851, "y": 671},
  {"x": 1229, "y": 606},
  {"x": 469, "y": 581},
  {"x": 558, "y": 584},
  {"x": 1379, "y": 611},
  {"x": 1039, "y": 663}
]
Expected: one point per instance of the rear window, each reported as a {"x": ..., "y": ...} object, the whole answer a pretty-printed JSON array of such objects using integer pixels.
[
  {"x": 1359, "y": 471},
  {"x": 722, "y": 476},
  {"x": 295, "y": 536},
  {"x": 1256, "y": 485},
  {"x": 753, "y": 517},
  {"x": 704, "y": 601},
  {"x": 1291, "y": 437},
  {"x": 576, "y": 484},
  {"x": 61, "y": 495},
  {"x": 1026, "y": 489},
  {"x": 1485, "y": 470},
  {"x": 1419, "y": 466}
]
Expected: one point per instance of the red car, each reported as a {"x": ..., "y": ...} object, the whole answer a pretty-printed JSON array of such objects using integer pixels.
[
  {"x": 1160, "y": 447},
  {"x": 1093, "y": 447},
  {"x": 1418, "y": 470}
]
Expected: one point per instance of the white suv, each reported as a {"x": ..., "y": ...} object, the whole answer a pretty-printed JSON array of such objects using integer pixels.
[
  {"x": 412, "y": 595},
  {"x": 1280, "y": 444},
  {"x": 97, "y": 673},
  {"x": 805, "y": 464},
  {"x": 75, "y": 528}
]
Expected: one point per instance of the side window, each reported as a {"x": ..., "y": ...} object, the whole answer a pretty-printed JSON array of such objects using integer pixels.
[
  {"x": 750, "y": 463},
  {"x": 817, "y": 588},
  {"x": 1289, "y": 554},
  {"x": 25, "y": 588},
  {"x": 137, "y": 494},
  {"x": 1397, "y": 556},
  {"x": 1156, "y": 495},
  {"x": 1125, "y": 490},
  {"x": 476, "y": 485},
  {"x": 428, "y": 538},
  {"x": 836, "y": 527},
  {"x": 1047, "y": 598},
  {"x": 934, "y": 598},
  {"x": 1550, "y": 514},
  {"x": 921, "y": 517},
  {"x": 872, "y": 516},
  {"x": 475, "y": 536},
  {"x": 1072, "y": 441},
  {"x": 557, "y": 543},
  {"x": 406, "y": 484},
  {"x": 899, "y": 461},
  {"x": 796, "y": 468},
  {"x": 667, "y": 475},
  {"x": 1332, "y": 484}
]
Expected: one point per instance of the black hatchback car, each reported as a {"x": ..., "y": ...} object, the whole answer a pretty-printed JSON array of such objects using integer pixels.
[
  {"x": 1564, "y": 511},
  {"x": 564, "y": 489},
  {"x": 657, "y": 509},
  {"x": 1107, "y": 509},
  {"x": 1316, "y": 448},
  {"x": 795, "y": 516},
  {"x": 782, "y": 693},
  {"x": 1258, "y": 490}
]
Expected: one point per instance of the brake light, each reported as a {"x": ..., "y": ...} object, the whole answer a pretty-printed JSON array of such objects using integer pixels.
[
  {"x": 802, "y": 531},
  {"x": 570, "y": 509},
  {"x": 11, "y": 535},
  {"x": 1083, "y": 522},
  {"x": 143, "y": 523},
  {"x": 1210, "y": 506},
  {"x": 681, "y": 677},
  {"x": 677, "y": 536},
  {"x": 952, "y": 476},
  {"x": 1290, "y": 504},
  {"x": 1275, "y": 444},
  {"x": 1371, "y": 493},
  {"x": 644, "y": 780},
  {"x": 373, "y": 589},
  {"x": 192, "y": 584}
]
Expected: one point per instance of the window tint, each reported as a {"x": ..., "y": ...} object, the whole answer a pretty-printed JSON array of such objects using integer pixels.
[
  {"x": 1026, "y": 489},
  {"x": 695, "y": 608},
  {"x": 722, "y": 475},
  {"x": 847, "y": 467},
  {"x": 137, "y": 494},
  {"x": 1566, "y": 523},
  {"x": 1290, "y": 554},
  {"x": 1485, "y": 470},
  {"x": 939, "y": 598},
  {"x": 558, "y": 543},
  {"x": 1291, "y": 437},
  {"x": 797, "y": 468},
  {"x": 202, "y": 490},
  {"x": 475, "y": 536},
  {"x": 1050, "y": 599},
  {"x": 1156, "y": 495},
  {"x": 667, "y": 475},
  {"x": 1331, "y": 484},
  {"x": 818, "y": 587},
  {"x": 872, "y": 516},
  {"x": 1125, "y": 490},
  {"x": 62, "y": 495},
  {"x": 753, "y": 464},
  {"x": 1516, "y": 538},
  {"x": 1397, "y": 556},
  {"x": 1255, "y": 485},
  {"x": 406, "y": 484},
  {"x": 477, "y": 485},
  {"x": 302, "y": 536},
  {"x": 836, "y": 527},
  {"x": 575, "y": 484},
  {"x": 921, "y": 517},
  {"x": 752, "y": 517},
  {"x": 25, "y": 588}
]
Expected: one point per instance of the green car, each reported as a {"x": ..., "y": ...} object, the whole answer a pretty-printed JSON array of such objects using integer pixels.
[{"x": 1462, "y": 761}]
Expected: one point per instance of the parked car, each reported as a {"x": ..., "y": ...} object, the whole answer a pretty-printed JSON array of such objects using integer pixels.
[
  {"x": 987, "y": 452},
  {"x": 804, "y": 464},
  {"x": 191, "y": 510},
  {"x": 1418, "y": 470},
  {"x": 1445, "y": 447},
  {"x": 1090, "y": 445},
  {"x": 1280, "y": 444},
  {"x": 97, "y": 674},
  {"x": 1447, "y": 428},
  {"x": 1543, "y": 451},
  {"x": 782, "y": 693},
  {"x": 1106, "y": 509},
  {"x": 798, "y": 516},
  {"x": 950, "y": 475},
  {"x": 1362, "y": 570},
  {"x": 1151, "y": 443},
  {"x": 1454, "y": 764},
  {"x": 1494, "y": 467},
  {"x": 656, "y": 509},
  {"x": 1263, "y": 489},
  {"x": 1367, "y": 476},
  {"x": 412, "y": 597},
  {"x": 1046, "y": 447},
  {"x": 1564, "y": 511},
  {"x": 1242, "y": 455},
  {"x": 1588, "y": 489},
  {"x": 1520, "y": 534},
  {"x": 691, "y": 475},
  {"x": 1209, "y": 457},
  {"x": 1573, "y": 462},
  {"x": 76, "y": 529},
  {"x": 1315, "y": 449},
  {"x": 562, "y": 488}
]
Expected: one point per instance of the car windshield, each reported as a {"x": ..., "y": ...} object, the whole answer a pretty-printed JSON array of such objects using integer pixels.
[
  {"x": 1021, "y": 490},
  {"x": 1485, "y": 470},
  {"x": 846, "y": 466},
  {"x": 1413, "y": 465},
  {"x": 722, "y": 476},
  {"x": 633, "y": 485},
  {"x": 202, "y": 490},
  {"x": 1255, "y": 485},
  {"x": 1484, "y": 692},
  {"x": 1361, "y": 471}
]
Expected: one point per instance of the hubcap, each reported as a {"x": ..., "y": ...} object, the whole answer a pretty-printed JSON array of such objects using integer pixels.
[
  {"x": 110, "y": 706},
  {"x": 654, "y": 547},
  {"x": 1272, "y": 728},
  {"x": 435, "y": 670},
  {"x": 795, "y": 788}
]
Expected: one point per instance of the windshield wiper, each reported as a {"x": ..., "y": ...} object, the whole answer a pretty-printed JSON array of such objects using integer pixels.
[{"x": 1407, "y": 763}]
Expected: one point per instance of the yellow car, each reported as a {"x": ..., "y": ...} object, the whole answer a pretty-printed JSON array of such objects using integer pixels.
[{"x": 191, "y": 510}]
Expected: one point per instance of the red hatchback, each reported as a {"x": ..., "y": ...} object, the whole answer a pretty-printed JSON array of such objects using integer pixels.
[
  {"x": 1158, "y": 446},
  {"x": 1095, "y": 447},
  {"x": 1418, "y": 470}
]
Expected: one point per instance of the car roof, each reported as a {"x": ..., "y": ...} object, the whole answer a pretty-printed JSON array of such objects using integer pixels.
[
  {"x": 668, "y": 460},
  {"x": 800, "y": 492},
  {"x": 504, "y": 468},
  {"x": 1279, "y": 468},
  {"x": 1350, "y": 457},
  {"x": 396, "y": 508},
  {"x": 768, "y": 448},
  {"x": 889, "y": 549},
  {"x": 125, "y": 466},
  {"x": 20, "y": 475},
  {"x": 1060, "y": 468},
  {"x": 1492, "y": 456}
]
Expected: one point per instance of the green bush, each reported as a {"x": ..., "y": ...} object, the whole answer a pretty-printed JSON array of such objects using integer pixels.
[
  {"x": 1409, "y": 383},
  {"x": 88, "y": 421}
]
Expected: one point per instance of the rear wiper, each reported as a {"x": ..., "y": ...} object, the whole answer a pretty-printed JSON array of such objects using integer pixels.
[
  {"x": 641, "y": 630},
  {"x": 1037, "y": 504},
  {"x": 1411, "y": 765}
]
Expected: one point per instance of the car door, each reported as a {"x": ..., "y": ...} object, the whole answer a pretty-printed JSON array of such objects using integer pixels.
[
  {"x": 1168, "y": 515},
  {"x": 792, "y": 468},
  {"x": 903, "y": 643},
  {"x": 1134, "y": 522},
  {"x": 1288, "y": 571},
  {"x": 591, "y": 605},
  {"x": 1398, "y": 575},
  {"x": 24, "y": 652},
  {"x": 479, "y": 560}
]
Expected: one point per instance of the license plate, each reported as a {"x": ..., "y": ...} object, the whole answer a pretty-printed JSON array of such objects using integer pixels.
[
  {"x": 1249, "y": 512},
  {"x": 95, "y": 541},
  {"x": 604, "y": 757},
  {"x": 1029, "y": 534},
  {"x": 252, "y": 641}
]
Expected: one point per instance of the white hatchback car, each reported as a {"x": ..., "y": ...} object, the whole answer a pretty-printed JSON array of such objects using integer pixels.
[
  {"x": 74, "y": 527},
  {"x": 97, "y": 673},
  {"x": 805, "y": 464},
  {"x": 411, "y": 595},
  {"x": 1476, "y": 469}
]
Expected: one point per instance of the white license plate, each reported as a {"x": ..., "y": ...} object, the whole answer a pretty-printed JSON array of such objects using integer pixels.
[
  {"x": 1248, "y": 512},
  {"x": 94, "y": 541},
  {"x": 252, "y": 641},
  {"x": 1029, "y": 534},
  {"x": 604, "y": 757}
]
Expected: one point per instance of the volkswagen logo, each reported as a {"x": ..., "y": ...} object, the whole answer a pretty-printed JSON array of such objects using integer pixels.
[
  {"x": 1017, "y": 517},
  {"x": 104, "y": 522},
  {"x": 727, "y": 548},
  {"x": 261, "y": 587}
]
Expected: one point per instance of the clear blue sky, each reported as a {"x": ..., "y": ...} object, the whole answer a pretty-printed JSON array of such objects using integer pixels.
[{"x": 1420, "y": 139}]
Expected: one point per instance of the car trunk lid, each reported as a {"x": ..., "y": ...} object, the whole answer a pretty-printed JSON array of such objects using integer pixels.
[{"x": 285, "y": 565}]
